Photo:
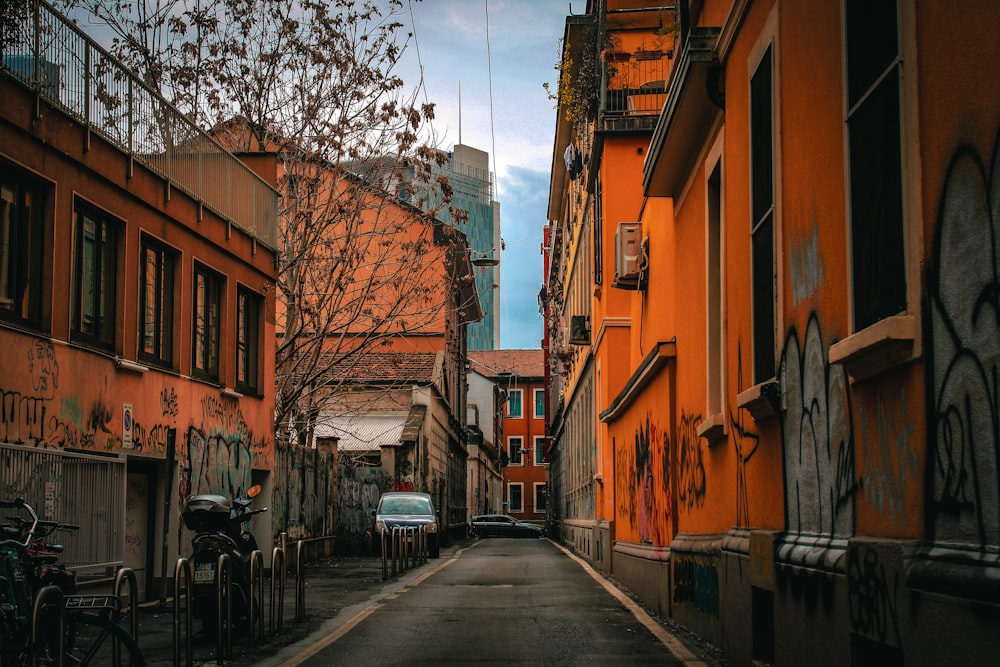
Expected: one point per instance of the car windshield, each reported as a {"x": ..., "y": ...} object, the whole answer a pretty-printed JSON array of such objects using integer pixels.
[{"x": 406, "y": 506}]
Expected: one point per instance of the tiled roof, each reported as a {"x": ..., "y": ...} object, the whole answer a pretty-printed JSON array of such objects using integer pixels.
[
  {"x": 386, "y": 367},
  {"x": 522, "y": 363}
]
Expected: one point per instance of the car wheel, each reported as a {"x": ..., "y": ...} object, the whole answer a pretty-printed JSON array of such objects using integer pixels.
[{"x": 472, "y": 532}]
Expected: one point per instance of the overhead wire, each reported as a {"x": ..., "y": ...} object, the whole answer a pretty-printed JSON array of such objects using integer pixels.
[{"x": 504, "y": 308}]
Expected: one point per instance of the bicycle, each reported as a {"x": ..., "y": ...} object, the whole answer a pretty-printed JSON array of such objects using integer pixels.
[{"x": 34, "y": 605}]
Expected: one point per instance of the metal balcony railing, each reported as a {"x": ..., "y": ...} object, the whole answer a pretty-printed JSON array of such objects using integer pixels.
[
  {"x": 634, "y": 88},
  {"x": 49, "y": 54}
]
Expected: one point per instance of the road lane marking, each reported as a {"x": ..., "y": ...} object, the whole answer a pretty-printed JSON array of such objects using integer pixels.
[{"x": 674, "y": 645}]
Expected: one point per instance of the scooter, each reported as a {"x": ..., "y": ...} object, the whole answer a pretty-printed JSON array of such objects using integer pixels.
[{"x": 221, "y": 527}]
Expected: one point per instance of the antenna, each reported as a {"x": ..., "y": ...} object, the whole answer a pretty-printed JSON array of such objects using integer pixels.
[{"x": 459, "y": 112}]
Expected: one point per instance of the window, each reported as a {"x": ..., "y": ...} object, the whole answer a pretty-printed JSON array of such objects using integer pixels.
[
  {"x": 514, "y": 407},
  {"x": 715, "y": 314},
  {"x": 539, "y": 398},
  {"x": 95, "y": 277},
  {"x": 515, "y": 497},
  {"x": 539, "y": 447},
  {"x": 207, "y": 324},
  {"x": 515, "y": 450},
  {"x": 762, "y": 222},
  {"x": 540, "y": 495},
  {"x": 874, "y": 127},
  {"x": 248, "y": 308},
  {"x": 22, "y": 231},
  {"x": 156, "y": 302}
]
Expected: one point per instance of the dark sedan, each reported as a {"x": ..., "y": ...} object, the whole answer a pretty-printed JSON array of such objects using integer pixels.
[{"x": 501, "y": 525}]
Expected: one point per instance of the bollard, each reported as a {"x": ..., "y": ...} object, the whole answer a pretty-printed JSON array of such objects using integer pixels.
[
  {"x": 256, "y": 617},
  {"x": 183, "y": 566},
  {"x": 395, "y": 545},
  {"x": 300, "y": 583},
  {"x": 277, "y": 608},
  {"x": 56, "y": 594},
  {"x": 385, "y": 554}
]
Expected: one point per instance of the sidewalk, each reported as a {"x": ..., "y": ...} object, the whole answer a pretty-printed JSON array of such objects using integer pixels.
[{"x": 331, "y": 585}]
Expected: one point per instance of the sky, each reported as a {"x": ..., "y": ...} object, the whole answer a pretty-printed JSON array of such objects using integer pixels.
[{"x": 517, "y": 128}]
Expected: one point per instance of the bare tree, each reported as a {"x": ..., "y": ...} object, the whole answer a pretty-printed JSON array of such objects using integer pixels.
[{"x": 314, "y": 82}]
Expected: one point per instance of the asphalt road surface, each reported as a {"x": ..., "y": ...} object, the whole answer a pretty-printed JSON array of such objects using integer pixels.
[{"x": 501, "y": 601}]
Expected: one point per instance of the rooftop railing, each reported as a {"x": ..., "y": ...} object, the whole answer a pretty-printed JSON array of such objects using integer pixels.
[{"x": 54, "y": 58}]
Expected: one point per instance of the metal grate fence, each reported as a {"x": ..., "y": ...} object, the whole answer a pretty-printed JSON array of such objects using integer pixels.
[{"x": 81, "y": 489}]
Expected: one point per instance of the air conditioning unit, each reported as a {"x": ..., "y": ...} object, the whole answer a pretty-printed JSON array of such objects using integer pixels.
[
  {"x": 628, "y": 242},
  {"x": 579, "y": 330}
]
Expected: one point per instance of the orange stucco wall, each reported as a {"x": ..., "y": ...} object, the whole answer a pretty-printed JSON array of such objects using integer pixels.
[{"x": 63, "y": 394}]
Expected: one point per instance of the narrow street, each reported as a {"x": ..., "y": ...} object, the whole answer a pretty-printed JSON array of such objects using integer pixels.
[{"x": 498, "y": 601}]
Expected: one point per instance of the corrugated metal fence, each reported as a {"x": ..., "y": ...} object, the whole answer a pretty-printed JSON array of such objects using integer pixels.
[{"x": 81, "y": 489}]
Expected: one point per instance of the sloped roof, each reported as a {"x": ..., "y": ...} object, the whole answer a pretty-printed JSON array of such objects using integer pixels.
[
  {"x": 386, "y": 367},
  {"x": 522, "y": 363},
  {"x": 363, "y": 433}
]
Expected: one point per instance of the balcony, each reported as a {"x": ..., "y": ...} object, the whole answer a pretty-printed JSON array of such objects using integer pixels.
[
  {"x": 634, "y": 89},
  {"x": 62, "y": 65}
]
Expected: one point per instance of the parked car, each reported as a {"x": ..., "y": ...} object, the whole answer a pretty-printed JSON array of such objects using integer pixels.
[
  {"x": 501, "y": 525},
  {"x": 404, "y": 509}
]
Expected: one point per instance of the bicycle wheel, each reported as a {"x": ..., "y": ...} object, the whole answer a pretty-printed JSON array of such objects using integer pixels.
[{"x": 95, "y": 640}]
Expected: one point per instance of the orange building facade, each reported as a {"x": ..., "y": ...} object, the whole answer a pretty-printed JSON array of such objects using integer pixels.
[
  {"x": 135, "y": 311},
  {"x": 795, "y": 395}
]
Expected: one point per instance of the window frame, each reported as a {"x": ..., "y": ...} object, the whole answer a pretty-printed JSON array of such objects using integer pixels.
[
  {"x": 763, "y": 214},
  {"x": 511, "y": 439},
  {"x": 23, "y": 274},
  {"x": 538, "y": 448},
  {"x": 535, "y": 392},
  {"x": 168, "y": 260},
  {"x": 520, "y": 404},
  {"x": 248, "y": 363},
  {"x": 889, "y": 235},
  {"x": 102, "y": 333},
  {"x": 215, "y": 283},
  {"x": 540, "y": 486},
  {"x": 510, "y": 497}
]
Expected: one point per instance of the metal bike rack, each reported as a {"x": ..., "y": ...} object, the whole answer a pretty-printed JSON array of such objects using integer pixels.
[
  {"x": 277, "y": 607},
  {"x": 256, "y": 617},
  {"x": 300, "y": 583},
  {"x": 224, "y": 608},
  {"x": 126, "y": 574},
  {"x": 56, "y": 595},
  {"x": 182, "y": 568}
]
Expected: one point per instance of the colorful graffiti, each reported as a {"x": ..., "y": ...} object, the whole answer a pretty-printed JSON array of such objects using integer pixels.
[
  {"x": 818, "y": 438},
  {"x": 964, "y": 352},
  {"x": 696, "y": 583},
  {"x": 643, "y": 472}
]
